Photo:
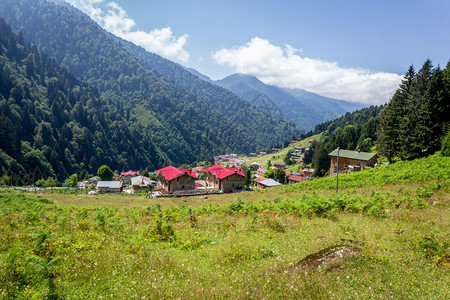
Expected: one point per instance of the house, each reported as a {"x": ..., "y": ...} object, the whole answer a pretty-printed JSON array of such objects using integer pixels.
[
  {"x": 268, "y": 183},
  {"x": 109, "y": 186},
  {"x": 126, "y": 176},
  {"x": 257, "y": 180},
  {"x": 140, "y": 182},
  {"x": 350, "y": 161},
  {"x": 307, "y": 172},
  {"x": 94, "y": 179},
  {"x": 294, "y": 178},
  {"x": 260, "y": 172},
  {"x": 174, "y": 180},
  {"x": 223, "y": 179},
  {"x": 254, "y": 166},
  {"x": 279, "y": 166}
]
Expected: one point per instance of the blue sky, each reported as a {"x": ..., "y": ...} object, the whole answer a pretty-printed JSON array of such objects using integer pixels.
[{"x": 348, "y": 49}]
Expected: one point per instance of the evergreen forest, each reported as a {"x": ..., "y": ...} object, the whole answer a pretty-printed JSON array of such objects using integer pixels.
[
  {"x": 92, "y": 102},
  {"x": 413, "y": 124}
]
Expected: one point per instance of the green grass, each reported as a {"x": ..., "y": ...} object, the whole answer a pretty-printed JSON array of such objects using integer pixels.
[{"x": 235, "y": 245}]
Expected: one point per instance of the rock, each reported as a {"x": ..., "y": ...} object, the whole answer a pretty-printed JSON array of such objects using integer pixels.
[{"x": 329, "y": 257}]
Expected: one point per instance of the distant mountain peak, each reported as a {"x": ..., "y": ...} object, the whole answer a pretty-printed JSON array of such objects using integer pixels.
[{"x": 303, "y": 108}]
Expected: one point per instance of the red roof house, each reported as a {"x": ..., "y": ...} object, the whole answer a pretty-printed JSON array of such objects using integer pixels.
[
  {"x": 223, "y": 179},
  {"x": 129, "y": 173},
  {"x": 173, "y": 179},
  {"x": 296, "y": 178}
]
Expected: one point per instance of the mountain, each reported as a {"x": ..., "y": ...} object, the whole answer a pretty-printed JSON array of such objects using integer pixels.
[
  {"x": 222, "y": 99},
  {"x": 186, "y": 119},
  {"x": 305, "y": 109},
  {"x": 200, "y": 75},
  {"x": 53, "y": 125}
]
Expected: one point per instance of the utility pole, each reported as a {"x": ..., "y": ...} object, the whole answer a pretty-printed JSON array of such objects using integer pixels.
[
  {"x": 12, "y": 178},
  {"x": 337, "y": 171}
]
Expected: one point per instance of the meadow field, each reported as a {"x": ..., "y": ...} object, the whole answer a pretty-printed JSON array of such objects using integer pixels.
[{"x": 384, "y": 235}]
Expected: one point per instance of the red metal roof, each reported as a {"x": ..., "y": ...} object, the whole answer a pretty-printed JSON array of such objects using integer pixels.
[
  {"x": 129, "y": 173},
  {"x": 297, "y": 178},
  {"x": 221, "y": 172},
  {"x": 259, "y": 179},
  {"x": 171, "y": 173}
]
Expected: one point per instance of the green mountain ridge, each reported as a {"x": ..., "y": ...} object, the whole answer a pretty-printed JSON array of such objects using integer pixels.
[
  {"x": 183, "y": 125},
  {"x": 51, "y": 124}
]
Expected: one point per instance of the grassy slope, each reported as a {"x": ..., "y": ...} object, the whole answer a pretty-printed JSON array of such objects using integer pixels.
[
  {"x": 278, "y": 157},
  {"x": 236, "y": 245}
]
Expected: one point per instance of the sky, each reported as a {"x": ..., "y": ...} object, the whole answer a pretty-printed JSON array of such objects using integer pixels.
[{"x": 353, "y": 50}]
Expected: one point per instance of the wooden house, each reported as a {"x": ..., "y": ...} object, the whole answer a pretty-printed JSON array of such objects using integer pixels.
[
  {"x": 350, "y": 161},
  {"x": 294, "y": 178},
  {"x": 174, "y": 180},
  {"x": 223, "y": 179},
  {"x": 279, "y": 166}
]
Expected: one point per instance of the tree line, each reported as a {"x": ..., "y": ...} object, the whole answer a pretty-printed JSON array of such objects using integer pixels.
[{"x": 412, "y": 125}]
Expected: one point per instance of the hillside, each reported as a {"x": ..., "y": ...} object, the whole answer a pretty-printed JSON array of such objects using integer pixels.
[
  {"x": 53, "y": 125},
  {"x": 305, "y": 109},
  {"x": 279, "y": 156},
  {"x": 389, "y": 226},
  {"x": 247, "y": 116},
  {"x": 183, "y": 125}
]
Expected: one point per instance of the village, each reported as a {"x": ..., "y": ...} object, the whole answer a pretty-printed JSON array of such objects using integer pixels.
[{"x": 231, "y": 173}]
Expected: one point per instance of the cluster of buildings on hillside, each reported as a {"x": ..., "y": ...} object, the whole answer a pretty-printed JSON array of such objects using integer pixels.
[{"x": 220, "y": 179}]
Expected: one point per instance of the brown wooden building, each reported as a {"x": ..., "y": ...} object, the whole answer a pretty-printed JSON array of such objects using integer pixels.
[
  {"x": 223, "y": 179},
  {"x": 174, "y": 180},
  {"x": 350, "y": 161}
]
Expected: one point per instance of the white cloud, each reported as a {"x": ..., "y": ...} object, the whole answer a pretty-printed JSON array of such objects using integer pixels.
[
  {"x": 114, "y": 19},
  {"x": 286, "y": 68}
]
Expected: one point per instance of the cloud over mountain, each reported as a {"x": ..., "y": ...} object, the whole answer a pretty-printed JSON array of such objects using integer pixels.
[
  {"x": 114, "y": 19},
  {"x": 287, "y": 68}
]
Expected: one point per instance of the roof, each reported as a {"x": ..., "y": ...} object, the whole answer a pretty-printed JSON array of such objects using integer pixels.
[
  {"x": 95, "y": 178},
  {"x": 270, "y": 182},
  {"x": 353, "y": 154},
  {"x": 297, "y": 178},
  {"x": 140, "y": 180},
  {"x": 109, "y": 184},
  {"x": 171, "y": 173},
  {"x": 259, "y": 179},
  {"x": 129, "y": 173},
  {"x": 221, "y": 172}
]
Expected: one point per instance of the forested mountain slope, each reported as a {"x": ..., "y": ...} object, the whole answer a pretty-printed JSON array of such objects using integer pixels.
[
  {"x": 221, "y": 99},
  {"x": 184, "y": 125},
  {"x": 51, "y": 124}
]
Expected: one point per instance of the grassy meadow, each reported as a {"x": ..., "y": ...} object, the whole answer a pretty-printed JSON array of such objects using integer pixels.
[{"x": 245, "y": 246}]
